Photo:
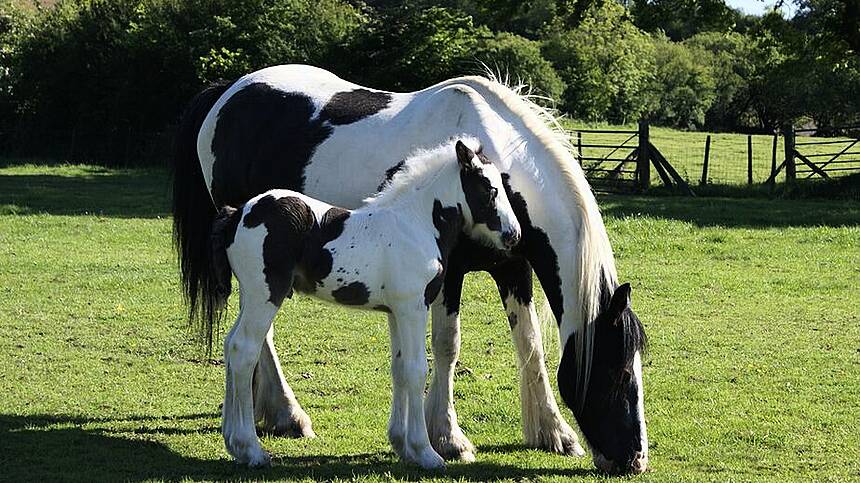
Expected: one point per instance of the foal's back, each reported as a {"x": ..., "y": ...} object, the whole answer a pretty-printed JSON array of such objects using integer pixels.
[{"x": 284, "y": 241}]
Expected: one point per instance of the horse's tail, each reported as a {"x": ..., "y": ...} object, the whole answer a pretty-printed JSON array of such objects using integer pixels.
[
  {"x": 193, "y": 210},
  {"x": 216, "y": 285}
]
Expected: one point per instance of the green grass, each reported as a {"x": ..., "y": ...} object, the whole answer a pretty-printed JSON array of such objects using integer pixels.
[
  {"x": 752, "y": 375},
  {"x": 728, "y": 158}
]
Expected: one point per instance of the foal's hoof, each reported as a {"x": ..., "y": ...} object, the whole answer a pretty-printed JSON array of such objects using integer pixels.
[
  {"x": 430, "y": 460},
  {"x": 261, "y": 460}
]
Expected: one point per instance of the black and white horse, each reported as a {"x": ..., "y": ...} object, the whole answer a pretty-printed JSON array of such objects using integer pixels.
[
  {"x": 305, "y": 129},
  {"x": 389, "y": 255}
]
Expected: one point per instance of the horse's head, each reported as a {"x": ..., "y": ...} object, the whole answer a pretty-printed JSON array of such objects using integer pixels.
[
  {"x": 611, "y": 416},
  {"x": 489, "y": 216}
]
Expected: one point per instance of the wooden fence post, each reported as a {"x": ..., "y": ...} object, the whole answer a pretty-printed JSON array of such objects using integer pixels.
[
  {"x": 749, "y": 159},
  {"x": 773, "y": 159},
  {"x": 705, "y": 163},
  {"x": 790, "y": 169},
  {"x": 643, "y": 161},
  {"x": 579, "y": 143}
]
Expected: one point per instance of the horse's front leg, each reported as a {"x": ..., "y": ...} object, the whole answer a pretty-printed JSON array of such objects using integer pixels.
[
  {"x": 543, "y": 425},
  {"x": 275, "y": 406},
  {"x": 445, "y": 434}
]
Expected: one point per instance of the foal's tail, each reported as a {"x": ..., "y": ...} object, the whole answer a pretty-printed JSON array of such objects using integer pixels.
[
  {"x": 193, "y": 210},
  {"x": 216, "y": 287}
]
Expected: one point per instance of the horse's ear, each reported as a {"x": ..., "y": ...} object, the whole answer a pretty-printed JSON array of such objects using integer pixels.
[
  {"x": 619, "y": 303},
  {"x": 464, "y": 155}
]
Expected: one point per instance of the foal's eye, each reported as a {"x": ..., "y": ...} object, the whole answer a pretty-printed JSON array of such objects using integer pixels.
[{"x": 493, "y": 193}]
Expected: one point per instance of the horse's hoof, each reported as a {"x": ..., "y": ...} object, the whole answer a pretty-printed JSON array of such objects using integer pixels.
[
  {"x": 562, "y": 440},
  {"x": 455, "y": 448},
  {"x": 296, "y": 425}
]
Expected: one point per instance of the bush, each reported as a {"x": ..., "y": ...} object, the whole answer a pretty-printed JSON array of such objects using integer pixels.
[
  {"x": 520, "y": 59},
  {"x": 607, "y": 64},
  {"x": 111, "y": 70}
]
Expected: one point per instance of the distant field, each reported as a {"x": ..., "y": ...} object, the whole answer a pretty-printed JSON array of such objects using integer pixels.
[
  {"x": 728, "y": 154},
  {"x": 751, "y": 307}
]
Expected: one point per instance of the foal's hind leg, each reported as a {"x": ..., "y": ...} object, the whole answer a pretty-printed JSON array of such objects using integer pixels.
[
  {"x": 275, "y": 404},
  {"x": 543, "y": 425},
  {"x": 445, "y": 434},
  {"x": 241, "y": 351}
]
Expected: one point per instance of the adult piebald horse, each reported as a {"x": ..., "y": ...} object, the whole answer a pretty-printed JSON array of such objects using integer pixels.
[{"x": 305, "y": 129}]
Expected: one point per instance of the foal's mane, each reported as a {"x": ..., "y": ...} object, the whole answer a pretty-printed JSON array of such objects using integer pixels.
[
  {"x": 595, "y": 270},
  {"x": 419, "y": 170}
]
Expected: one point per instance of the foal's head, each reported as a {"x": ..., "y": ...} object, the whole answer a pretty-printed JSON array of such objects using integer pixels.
[{"x": 487, "y": 211}]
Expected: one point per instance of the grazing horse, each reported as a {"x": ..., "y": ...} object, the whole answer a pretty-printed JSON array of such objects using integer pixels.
[
  {"x": 305, "y": 129},
  {"x": 389, "y": 255}
]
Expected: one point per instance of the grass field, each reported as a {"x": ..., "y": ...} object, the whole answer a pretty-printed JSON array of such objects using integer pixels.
[
  {"x": 753, "y": 372},
  {"x": 728, "y": 158}
]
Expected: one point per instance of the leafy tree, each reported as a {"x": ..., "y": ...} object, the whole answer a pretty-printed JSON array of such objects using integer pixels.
[
  {"x": 681, "y": 19},
  {"x": 683, "y": 87},
  {"x": 607, "y": 64},
  {"x": 520, "y": 59},
  {"x": 412, "y": 49}
]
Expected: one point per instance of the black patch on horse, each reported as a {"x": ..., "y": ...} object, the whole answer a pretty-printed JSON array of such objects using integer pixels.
[
  {"x": 480, "y": 196},
  {"x": 352, "y": 106},
  {"x": 355, "y": 293},
  {"x": 608, "y": 414},
  {"x": 289, "y": 222},
  {"x": 382, "y": 308},
  {"x": 264, "y": 138},
  {"x": 389, "y": 174},
  {"x": 536, "y": 248}
]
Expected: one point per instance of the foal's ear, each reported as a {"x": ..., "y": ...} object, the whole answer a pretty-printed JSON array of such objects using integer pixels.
[
  {"x": 464, "y": 155},
  {"x": 619, "y": 303}
]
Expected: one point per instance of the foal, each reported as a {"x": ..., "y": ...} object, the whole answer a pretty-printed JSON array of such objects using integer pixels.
[{"x": 390, "y": 255}]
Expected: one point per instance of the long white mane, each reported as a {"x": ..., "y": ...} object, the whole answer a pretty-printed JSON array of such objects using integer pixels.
[{"x": 595, "y": 261}]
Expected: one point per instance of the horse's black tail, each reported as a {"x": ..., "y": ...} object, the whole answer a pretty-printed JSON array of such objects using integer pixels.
[
  {"x": 216, "y": 290},
  {"x": 193, "y": 210}
]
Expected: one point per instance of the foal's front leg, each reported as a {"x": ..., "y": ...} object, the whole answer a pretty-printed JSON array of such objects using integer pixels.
[
  {"x": 445, "y": 434},
  {"x": 275, "y": 404},
  {"x": 543, "y": 425},
  {"x": 409, "y": 376}
]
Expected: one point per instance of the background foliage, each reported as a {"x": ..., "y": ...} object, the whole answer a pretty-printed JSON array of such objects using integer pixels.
[{"x": 93, "y": 78}]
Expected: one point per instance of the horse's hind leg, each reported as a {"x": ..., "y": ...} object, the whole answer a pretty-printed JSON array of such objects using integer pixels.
[
  {"x": 241, "y": 351},
  {"x": 445, "y": 434},
  {"x": 543, "y": 425},
  {"x": 275, "y": 404}
]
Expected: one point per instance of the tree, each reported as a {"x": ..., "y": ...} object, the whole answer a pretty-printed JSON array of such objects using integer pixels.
[
  {"x": 607, "y": 64},
  {"x": 683, "y": 86},
  {"x": 681, "y": 19}
]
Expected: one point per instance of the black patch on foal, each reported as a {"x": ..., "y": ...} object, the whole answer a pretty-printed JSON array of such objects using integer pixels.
[
  {"x": 480, "y": 196},
  {"x": 293, "y": 252},
  {"x": 448, "y": 221},
  {"x": 352, "y": 106},
  {"x": 264, "y": 138},
  {"x": 288, "y": 222},
  {"x": 355, "y": 293}
]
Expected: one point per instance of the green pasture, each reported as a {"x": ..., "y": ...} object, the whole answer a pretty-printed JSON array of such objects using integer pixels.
[
  {"x": 752, "y": 308},
  {"x": 727, "y": 162}
]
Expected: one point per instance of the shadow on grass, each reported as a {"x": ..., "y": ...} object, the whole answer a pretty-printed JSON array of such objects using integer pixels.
[
  {"x": 730, "y": 212},
  {"x": 113, "y": 193},
  {"x": 48, "y": 448}
]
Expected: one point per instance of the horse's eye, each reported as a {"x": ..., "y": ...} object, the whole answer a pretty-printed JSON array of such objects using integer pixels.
[{"x": 493, "y": 192}]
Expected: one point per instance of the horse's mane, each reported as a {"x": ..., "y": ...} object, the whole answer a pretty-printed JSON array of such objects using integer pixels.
[
  {"x": 596, "y": 264},
  {"x": 420, "y": 169}
]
